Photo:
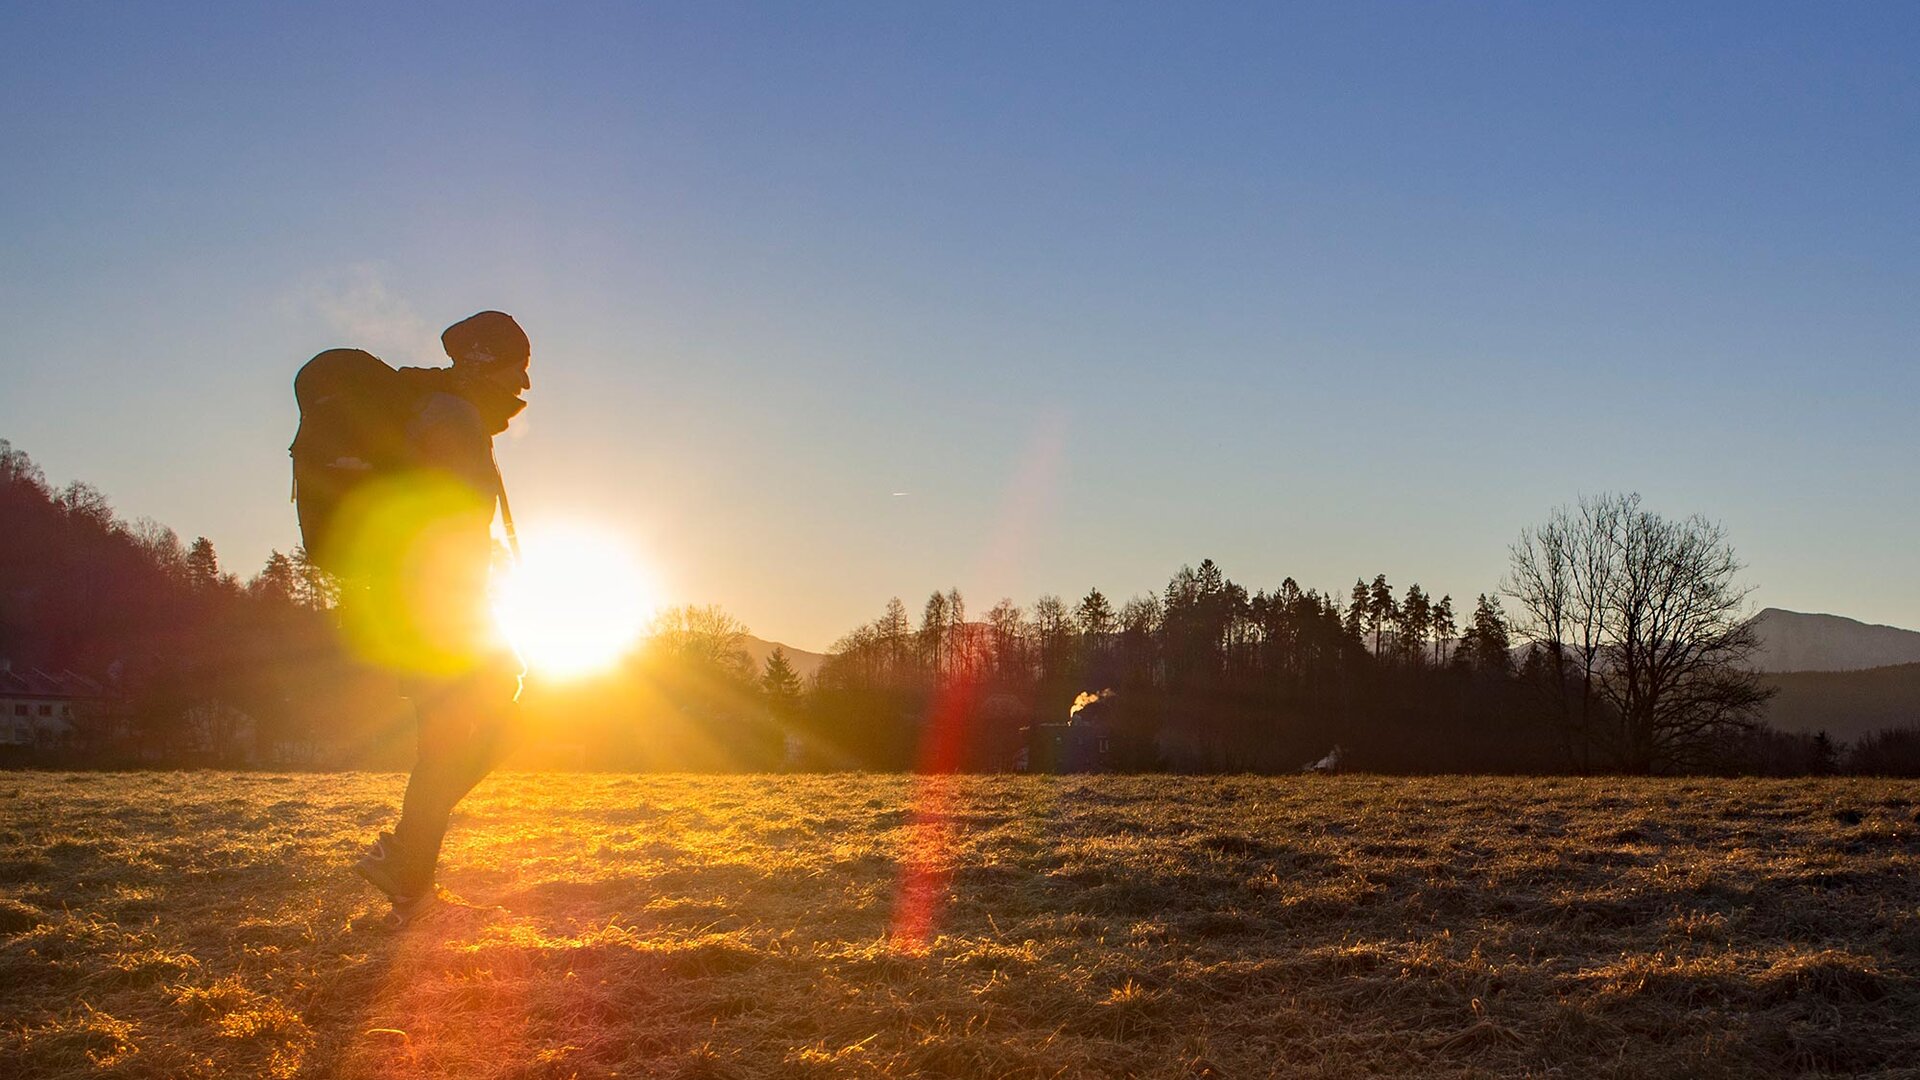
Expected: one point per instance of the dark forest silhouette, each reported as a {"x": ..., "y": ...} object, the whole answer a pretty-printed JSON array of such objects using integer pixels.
[{"x": 194, "y": 665}]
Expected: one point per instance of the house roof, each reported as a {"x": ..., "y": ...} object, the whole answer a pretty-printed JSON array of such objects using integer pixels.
[{"x": 33, "y": 682}]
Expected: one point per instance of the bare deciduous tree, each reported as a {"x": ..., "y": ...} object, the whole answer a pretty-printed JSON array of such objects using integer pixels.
[
  {"x": 1644, "y": 630},
  {"x": 1009, "y": 638},
  {"x": 1558, "y": 576}
]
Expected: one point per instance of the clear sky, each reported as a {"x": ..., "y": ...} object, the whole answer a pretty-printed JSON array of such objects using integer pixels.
[{"x": 1326, "y": 291}]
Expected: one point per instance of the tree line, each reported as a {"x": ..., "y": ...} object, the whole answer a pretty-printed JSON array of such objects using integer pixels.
[
  {"x": 199, "y": 666},
  {"x": 1623, "y": 652},
  {"x": 1628, "y": 651}
]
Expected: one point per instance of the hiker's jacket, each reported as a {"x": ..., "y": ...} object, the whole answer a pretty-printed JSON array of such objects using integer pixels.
[
  {"x": 446, "y": 433},
  {"x": 425, "y": 607}
]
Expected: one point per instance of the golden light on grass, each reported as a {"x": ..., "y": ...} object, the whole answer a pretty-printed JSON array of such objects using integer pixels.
[
  {"x": 577, "y": 601},
  {"x": 200, "y": 924}
]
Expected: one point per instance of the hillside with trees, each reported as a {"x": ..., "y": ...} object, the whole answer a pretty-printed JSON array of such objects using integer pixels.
[
  {"x": 1846, "y": 704},
  {"x": 1623, "y": 651},
  {"x": 195, "y": 665}
]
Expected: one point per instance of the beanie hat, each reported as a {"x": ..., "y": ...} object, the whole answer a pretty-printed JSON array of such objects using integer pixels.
[{"x": 491, "y": 332}]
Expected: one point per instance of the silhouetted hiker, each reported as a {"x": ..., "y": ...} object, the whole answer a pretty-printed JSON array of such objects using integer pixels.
[{"x": 396, "y": 487}]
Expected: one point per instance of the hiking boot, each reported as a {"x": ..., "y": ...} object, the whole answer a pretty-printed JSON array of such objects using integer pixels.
[
  {"x": 439, "y": 907},
  {"x": 406, "y": 909},
  {"x": 384, "y": 865}
]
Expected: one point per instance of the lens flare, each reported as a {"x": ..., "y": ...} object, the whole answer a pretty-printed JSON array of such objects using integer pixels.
[
  {"x": 414, "y": 552},
  {"x": 576, "y": 603}
]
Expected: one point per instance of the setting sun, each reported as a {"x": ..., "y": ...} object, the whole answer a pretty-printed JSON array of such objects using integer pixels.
[{"x": 576, "y": 602}]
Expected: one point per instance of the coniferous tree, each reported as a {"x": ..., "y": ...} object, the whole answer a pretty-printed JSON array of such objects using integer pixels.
[
  {"x": 1443, "y": 627},
  {"x": 276, "y": 581},
  {"x": 1094, "y": 616},
  {"x": 778, "y": 681},
  {"x": 1416, "y": 622},
  {"x": 202, "y": 566},
  {"x": 1486, "y": 645},
  {"x": 1381, "y": 610},
  {"x": 780, "y": 689},
  {"x": 1208, "y": 579},
  {"x": 1094, "y": 619},
  {"x": 1826, "y": 756}
]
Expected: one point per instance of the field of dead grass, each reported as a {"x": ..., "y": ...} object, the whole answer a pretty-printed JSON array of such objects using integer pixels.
[{"x": 201, "y": 924}]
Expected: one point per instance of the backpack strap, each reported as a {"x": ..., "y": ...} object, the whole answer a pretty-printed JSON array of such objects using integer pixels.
[
  {"x": 439, "y": 380},
  {"x": 506, "y": 512}
]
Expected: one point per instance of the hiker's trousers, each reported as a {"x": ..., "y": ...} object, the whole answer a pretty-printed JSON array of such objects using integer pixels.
[{"x": 465, "y": 728}]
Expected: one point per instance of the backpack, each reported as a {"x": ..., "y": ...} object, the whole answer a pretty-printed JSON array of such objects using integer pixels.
[
  {"x": 354, "y": 411},
  {"x": 353, "y": 428}
]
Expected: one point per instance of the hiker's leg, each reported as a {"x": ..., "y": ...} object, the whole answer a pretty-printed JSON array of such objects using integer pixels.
[
  {"x": 489, "y": 699},
  {"x": 463, "y": 730},
  {"x": 434, "y": 785}
]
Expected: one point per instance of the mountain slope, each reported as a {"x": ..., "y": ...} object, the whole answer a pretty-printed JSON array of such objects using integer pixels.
[
  {"x": 1798, "y": 641},
  {"x": 804, "y": 663},
  {"x": 1845, "y": 704}
]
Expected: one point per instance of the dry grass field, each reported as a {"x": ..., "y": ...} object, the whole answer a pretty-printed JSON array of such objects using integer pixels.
[{"x": 201, "y": 924}]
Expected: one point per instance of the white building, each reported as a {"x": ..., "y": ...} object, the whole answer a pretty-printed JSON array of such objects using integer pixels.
[{"x": 38, "y": 709}]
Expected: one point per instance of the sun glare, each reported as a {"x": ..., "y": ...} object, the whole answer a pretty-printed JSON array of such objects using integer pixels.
[{"x": 576, "y": 603}]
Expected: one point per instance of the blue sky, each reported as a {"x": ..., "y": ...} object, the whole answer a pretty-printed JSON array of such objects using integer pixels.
[{"x": 1324, "y": 291}]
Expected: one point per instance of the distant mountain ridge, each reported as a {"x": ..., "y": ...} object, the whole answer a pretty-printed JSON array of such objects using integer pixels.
[
  {"x": 804, "y": 663},
  {"x": 1837, "y": 675},
  {"x": 1801, "y": 641}
]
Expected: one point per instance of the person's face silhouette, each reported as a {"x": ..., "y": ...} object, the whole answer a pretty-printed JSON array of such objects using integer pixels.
[
  {"x": 493, "y": 385},
  {"x": 504, "y": 376}
]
